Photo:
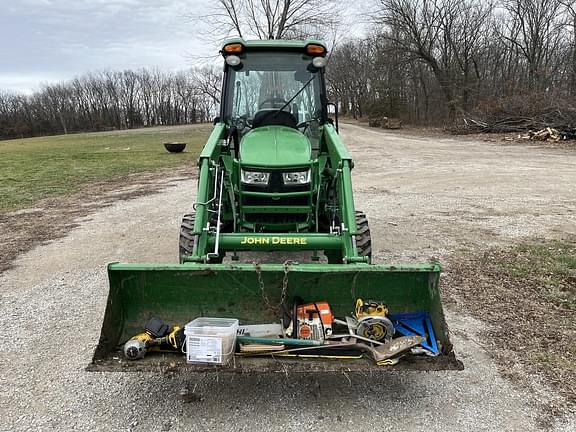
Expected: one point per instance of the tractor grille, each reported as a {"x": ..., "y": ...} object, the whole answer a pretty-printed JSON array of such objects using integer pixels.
[
  {"x": 276, "y": 218},
  {"x": 269, "y": 202},
  {"x": 277, "y": 187}
]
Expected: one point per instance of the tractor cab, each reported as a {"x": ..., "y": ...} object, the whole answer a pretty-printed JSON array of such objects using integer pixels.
[
  {"x": 270, "y": 86},
  {"x": 274, "y": 105}
]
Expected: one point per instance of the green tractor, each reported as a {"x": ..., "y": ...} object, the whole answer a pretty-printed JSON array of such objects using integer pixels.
[
  {"x": 274, "y": 175},
  {"x": 274, "y": 179}
]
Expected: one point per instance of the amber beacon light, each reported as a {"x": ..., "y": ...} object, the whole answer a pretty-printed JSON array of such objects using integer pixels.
[
  {"x": 235, "y": 48},
  {"x": 315, "y": 50}
]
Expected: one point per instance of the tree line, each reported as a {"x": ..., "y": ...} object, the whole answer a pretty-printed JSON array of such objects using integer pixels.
[
  {"x": 435, "y": 61},
  {"x": 425, "y": 61},
  {"x": 111, "y": 100}
]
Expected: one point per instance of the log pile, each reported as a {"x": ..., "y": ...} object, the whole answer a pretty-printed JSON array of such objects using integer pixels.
[
  {"x": 536, "y": 128},
  {"x": 385, "y": 122},
  {"x": 546, "y": 134}
]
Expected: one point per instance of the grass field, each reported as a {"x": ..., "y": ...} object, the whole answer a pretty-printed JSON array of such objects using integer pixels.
[
  {"x": 527, "y": 295},
  {"x": 35, "y": 168},
  {"x": 551, "y": 267}
]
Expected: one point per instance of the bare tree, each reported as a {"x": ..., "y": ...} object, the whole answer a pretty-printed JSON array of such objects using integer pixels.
[
  {"x": 533, "y": 27},
  {"x": 208, "y": 81},
  {"x": 443, "y": 34},
  {"x": 106, "y": 100},
  {"x": 570, "y": 23},
  {"x": 273, "y": 19}
]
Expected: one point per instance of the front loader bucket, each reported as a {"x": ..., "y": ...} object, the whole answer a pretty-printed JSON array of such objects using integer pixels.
[{"x": 180, "y": 293}]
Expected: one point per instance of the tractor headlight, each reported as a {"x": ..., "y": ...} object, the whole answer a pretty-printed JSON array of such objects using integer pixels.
[
  {"x": 296, "y": 177},
  {"x": 255, "y": 177},
  {"x": 319, "y": 62}
]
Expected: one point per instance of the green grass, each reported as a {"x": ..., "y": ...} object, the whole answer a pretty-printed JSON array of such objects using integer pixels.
[
  {"x": 551, "y": 267},
  {"x": 36, "y": 168}
]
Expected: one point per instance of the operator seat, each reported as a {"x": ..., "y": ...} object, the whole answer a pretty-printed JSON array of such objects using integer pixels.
[{"x": 274, "y": 118}]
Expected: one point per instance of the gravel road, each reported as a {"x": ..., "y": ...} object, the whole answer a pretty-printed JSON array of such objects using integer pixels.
[{"x": 425, "y": 197}]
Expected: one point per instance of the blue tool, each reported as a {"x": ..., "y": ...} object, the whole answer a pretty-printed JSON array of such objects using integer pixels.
[{"x": 416, "y": 324}]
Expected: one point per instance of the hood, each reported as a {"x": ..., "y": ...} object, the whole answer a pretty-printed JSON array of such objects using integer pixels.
[{"x": 275, "y": 146}]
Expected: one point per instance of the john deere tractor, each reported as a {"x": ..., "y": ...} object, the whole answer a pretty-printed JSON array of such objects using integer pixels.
[{"x": 274, "y": 177}]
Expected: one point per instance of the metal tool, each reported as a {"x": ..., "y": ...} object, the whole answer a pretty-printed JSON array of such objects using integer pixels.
[
  {"x": 278, "y": 341},
  {"x": 352, "y": 325},
  {"x": 381, "y": 355},
  {"x": 372, "y": 321}
]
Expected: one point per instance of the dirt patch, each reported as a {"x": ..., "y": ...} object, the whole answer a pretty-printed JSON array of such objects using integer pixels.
[
  {"x": 52, "y": 218},
  {"x": 527, "y": 296},
  {"x": 515, "y": 139}
]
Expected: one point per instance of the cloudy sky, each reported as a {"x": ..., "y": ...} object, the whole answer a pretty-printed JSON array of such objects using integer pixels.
[
  {"x": 45, "y": 41},
  {"x": 54, "y": 40}
]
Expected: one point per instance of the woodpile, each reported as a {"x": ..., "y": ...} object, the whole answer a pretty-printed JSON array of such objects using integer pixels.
[
  {"x": 374, "y": 122},
  {"x": 546, "y": 134},
  {"x": 385, "y": 122}
]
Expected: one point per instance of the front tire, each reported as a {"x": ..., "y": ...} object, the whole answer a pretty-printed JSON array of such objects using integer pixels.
[
  {"x": 188, "y": 239},
  {"x": 363, "y": 238},
  {"x": 363, "y": 241}
]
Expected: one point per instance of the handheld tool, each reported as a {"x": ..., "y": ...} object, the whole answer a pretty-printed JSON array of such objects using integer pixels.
[
  {"x": 372, "y": 321},
  {"x": 382, "y": 355},
  {"x": 313, "y": 321},
  {"x": 278, "y": 341},
  {"x": 157, "y": 336}
]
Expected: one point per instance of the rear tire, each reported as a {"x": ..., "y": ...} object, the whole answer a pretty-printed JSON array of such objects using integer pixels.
[{"x": 363, "y": 238}]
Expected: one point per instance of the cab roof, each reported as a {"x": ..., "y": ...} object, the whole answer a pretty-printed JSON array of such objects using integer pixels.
[{"x": 273, "y": 44}]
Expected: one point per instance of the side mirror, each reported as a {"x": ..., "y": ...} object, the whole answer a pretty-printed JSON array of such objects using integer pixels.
[
  {"x": 216, "y": 120},
  {"x": 333, "y": 111}
]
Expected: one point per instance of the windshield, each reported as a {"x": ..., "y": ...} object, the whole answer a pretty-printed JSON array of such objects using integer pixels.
[{"x": 267, "y": 81}]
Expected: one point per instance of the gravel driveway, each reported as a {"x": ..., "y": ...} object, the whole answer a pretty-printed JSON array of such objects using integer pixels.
[{"x": 426, "y": 197}]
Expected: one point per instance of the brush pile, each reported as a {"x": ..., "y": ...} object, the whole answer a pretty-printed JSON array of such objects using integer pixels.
[{"x": 533, "y": 118}]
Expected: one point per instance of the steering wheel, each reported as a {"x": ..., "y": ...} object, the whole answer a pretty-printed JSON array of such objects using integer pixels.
[
  {"x": 306, "y": 123},
  {"x": 271, "y": 101},
  {"x": 241, "y": 122}
]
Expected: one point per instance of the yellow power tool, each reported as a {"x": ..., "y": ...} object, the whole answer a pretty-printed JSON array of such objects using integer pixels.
[
  {"x": 372, "y": 321},
  {"x": 157, "y": 336}
]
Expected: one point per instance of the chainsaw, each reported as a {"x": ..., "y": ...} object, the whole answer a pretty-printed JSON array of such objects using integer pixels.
[{"x": 313, "y": 321}]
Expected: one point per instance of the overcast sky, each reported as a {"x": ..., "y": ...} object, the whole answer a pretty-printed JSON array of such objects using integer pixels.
[
  {"x": 55, "y": 40},
  {"x": 46, "y": 41}
]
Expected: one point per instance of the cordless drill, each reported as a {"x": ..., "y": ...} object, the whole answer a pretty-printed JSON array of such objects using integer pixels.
[{"x": 157, "y": 336}]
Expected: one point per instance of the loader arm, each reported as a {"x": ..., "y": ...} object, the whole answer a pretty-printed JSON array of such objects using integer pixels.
[
  {"x": 207, "y": 163},
  {"x": 341, "y": 168}
]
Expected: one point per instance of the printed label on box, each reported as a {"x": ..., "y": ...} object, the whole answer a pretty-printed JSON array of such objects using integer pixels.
[{"x": 204, "y": 349}]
